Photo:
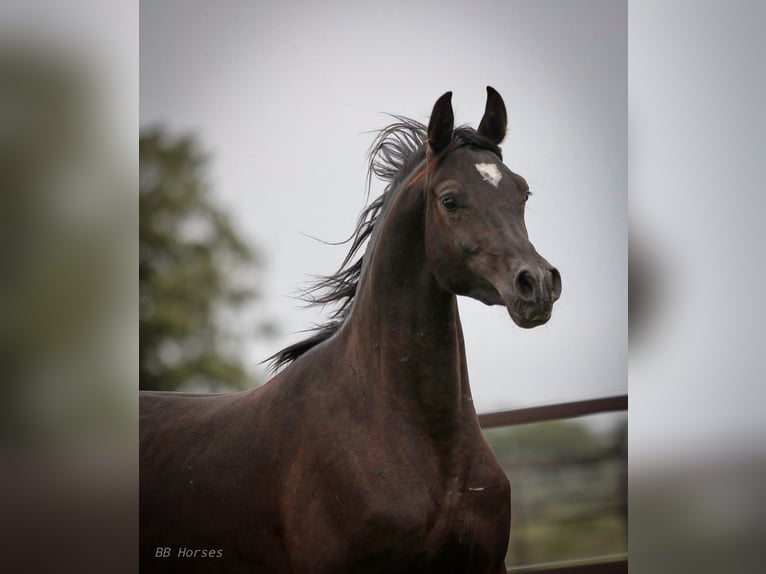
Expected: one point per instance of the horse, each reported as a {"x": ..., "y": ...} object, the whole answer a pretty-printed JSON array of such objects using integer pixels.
[{"x": 364, "y": 453}]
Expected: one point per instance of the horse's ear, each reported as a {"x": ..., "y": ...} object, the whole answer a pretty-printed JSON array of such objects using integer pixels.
[
  {"x": 495, "y": 120},
  {"x": 440, "y": 125}
]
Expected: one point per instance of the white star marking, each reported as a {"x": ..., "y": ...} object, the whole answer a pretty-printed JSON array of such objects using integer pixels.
[{"x": 490, "y": 173}]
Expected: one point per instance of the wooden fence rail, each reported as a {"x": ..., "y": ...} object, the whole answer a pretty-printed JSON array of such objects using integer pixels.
[{"x": 554, "y": 412}]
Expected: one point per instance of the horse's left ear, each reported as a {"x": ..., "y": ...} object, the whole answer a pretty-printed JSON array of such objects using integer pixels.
[
  {"x": 495, "y": 121},
  {"x": 440, "y": 125}
]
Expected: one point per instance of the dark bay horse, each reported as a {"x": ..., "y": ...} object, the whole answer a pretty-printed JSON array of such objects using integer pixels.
[{"x": 364, "y": 453}]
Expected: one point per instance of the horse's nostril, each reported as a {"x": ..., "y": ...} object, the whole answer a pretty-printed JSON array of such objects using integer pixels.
[
  {"x": 525, "y": 284},
  {"x": 556, "y": 282}
]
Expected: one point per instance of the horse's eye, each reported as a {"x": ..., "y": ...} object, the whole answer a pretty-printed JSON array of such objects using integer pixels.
[
  {"x": 449, "y": 203},
  {"x": 526, "y": 195}
]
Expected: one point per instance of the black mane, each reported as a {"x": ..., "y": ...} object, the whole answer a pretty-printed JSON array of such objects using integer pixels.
[{"x": 393, "y": 155}]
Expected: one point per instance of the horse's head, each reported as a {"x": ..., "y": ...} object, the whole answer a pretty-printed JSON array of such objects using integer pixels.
[{"x": 476, "y": 239}]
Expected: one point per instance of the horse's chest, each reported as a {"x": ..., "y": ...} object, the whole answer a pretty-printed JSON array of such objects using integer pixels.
[
  {"x": 458, "y": 526},
  {"x": 403, "y": 510},
  {"x": 472, "y": 524}
]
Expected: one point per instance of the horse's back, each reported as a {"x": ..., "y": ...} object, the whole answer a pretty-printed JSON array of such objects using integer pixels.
[
  {"x": 206, "y": 484},
  {"x": 183, "y": 435},
  {"x": 160, "y": 410}
]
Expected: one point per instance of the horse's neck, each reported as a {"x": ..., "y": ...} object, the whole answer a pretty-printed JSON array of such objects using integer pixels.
[{"x": 405, "y": 328}]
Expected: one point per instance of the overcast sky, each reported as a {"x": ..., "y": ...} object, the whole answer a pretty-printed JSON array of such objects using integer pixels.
[{"x": 283, "y": 95}]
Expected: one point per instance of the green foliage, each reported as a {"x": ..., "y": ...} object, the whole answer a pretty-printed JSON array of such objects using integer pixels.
[{"x": 190, "y": 273}]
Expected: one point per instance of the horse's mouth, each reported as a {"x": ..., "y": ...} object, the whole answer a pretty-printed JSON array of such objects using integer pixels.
[
  {"x": 526, "y": 314},
  {"x": 528, "y": 317}
]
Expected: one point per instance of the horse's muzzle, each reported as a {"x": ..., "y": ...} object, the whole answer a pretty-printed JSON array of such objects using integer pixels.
[{"x": 531, "y": 298}]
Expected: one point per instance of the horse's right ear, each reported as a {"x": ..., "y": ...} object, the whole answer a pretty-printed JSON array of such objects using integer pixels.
[
  {"x": 495, "y": 120},
  {"x": 440, "y": 125}
]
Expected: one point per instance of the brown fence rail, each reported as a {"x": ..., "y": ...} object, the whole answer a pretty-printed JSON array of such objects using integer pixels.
[{"x": 553, "y": 412}]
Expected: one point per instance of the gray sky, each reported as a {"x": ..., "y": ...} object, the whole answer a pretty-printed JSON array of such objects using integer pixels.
[{"x": 281, "y": 94}]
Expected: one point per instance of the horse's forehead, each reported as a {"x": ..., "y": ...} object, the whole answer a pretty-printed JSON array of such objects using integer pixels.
[
  {"x": 490, "y": 173},
  {"x": 480, "y": 166}
]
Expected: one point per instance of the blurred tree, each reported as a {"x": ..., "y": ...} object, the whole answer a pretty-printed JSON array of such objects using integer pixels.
[
  {"x": 67, "y": 222},
  {"x": 190, "y": 273}
]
